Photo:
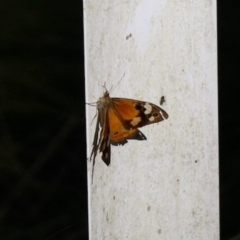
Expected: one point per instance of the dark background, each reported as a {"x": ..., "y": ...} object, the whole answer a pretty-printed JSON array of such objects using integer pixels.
[
  {"x": 42, "y": 121},
  {"x": 229, "y": 116},
  {"x": 43, "y": 187}
]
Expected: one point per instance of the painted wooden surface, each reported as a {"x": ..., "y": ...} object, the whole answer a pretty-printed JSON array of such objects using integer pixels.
[{"x": 167, "y": 186}]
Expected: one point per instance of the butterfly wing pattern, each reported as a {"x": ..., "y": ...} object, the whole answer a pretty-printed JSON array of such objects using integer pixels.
[{"x": 119, "y": 119}]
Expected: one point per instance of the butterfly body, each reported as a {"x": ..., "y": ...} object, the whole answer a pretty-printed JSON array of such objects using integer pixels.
[{"x": 119, "y": 119}]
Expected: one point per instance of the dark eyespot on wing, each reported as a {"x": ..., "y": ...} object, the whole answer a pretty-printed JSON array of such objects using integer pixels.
[{"x": 139, "y": 107}]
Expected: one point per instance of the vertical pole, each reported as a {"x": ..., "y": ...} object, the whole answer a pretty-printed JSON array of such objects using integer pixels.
[{"x": 167, "y": 186}]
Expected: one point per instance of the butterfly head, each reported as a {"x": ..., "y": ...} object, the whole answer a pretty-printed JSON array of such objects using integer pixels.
[{"x": 104, "y": 101}]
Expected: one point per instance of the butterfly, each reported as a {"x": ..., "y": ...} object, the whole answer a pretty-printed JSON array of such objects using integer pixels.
[{"x": 119, "y": 120}]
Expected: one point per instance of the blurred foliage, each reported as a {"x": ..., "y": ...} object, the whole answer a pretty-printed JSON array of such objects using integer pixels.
[{"x": 42, "y": 121}]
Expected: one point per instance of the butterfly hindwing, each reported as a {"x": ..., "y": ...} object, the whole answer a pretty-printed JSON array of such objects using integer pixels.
[
  {"x": 119, "y": 127},
  {"x": 105, "y": 142},
  {"x": 101, "y": 141}
]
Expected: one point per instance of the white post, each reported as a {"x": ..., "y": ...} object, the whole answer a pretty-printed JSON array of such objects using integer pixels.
[{"x": 167, "y": 186}]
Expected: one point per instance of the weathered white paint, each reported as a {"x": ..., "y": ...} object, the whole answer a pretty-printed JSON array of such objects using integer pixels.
[{"x": 165, "y": 187}]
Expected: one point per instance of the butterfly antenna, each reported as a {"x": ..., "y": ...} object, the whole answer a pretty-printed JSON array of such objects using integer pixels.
[
  {"x": 104, "y": 86},
  {"x": 93, "y": 118},
  {"x": 93, "y": 97},
  {"x": 112, "y": 88},
  {"x": 94, "y": 104}
]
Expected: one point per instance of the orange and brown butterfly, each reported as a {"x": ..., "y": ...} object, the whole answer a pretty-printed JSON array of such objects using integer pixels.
[{"x": 119, "y": 120}]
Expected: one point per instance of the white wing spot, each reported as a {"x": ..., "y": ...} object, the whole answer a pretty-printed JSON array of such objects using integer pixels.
[
  {"x": 151, "y": 119},
  {"x": 135, "y": 121},
  {"x": 148, "y": 108}
]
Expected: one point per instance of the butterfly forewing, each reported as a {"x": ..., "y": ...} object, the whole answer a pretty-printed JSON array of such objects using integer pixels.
[{"x": 137, "y": 113}]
